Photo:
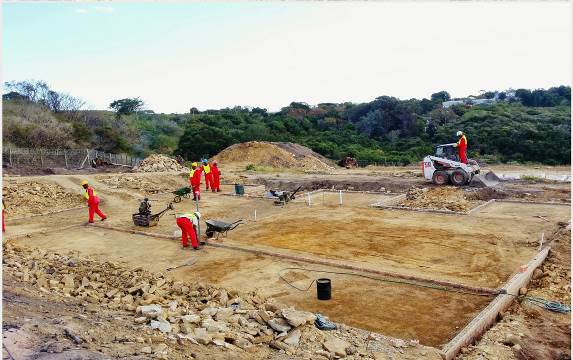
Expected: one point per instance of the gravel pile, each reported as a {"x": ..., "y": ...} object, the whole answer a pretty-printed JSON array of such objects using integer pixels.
[
  {"x": 34, "y": 198},
  {"x": 160, "y": 163},
  {"x": 442, "y": 198}
]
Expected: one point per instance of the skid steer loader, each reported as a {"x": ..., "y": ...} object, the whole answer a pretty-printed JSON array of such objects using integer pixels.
[{"x": 445, "y": 167}]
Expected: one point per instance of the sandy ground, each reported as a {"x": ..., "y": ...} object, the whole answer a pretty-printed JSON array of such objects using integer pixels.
[{"x": 483, "y": 249}]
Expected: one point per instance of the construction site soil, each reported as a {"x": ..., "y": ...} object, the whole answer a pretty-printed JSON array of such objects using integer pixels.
[{"x": 482, "y": 249}]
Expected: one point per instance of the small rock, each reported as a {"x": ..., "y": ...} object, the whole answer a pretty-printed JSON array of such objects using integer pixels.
[
  {"x": 191, "y": 319},
  {"x": 145, "y": 350},
  {"x": 298, "y": 318},
  {"x": 293, "y": 338},
  {"x": 336, "y": 345},
  {"x": 151, "y": 311},
  {"x": 140, "y": 320},
  {"x": 537, "y": 274},
  {"x": 279, "y": 324},
  {"x": 511, "y": 339},
  {"x": 162, "y": 326},
  {"x": 223, "y": 314},
  {"x": 523, "y": 291}
]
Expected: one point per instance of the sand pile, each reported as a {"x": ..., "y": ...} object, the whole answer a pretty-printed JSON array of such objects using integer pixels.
[
  {"x": 277, "y": 155},
  {"x": 159, "y": 163},
  {"x": 154, "y": 184},
  {"x": 442, "y": 198},
  {"x": 33, "y": 198},
  {"x": 190, "y": 314}
]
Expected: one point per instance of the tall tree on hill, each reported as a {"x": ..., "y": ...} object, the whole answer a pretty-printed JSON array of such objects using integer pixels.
[{"x": 126, "y": 106}]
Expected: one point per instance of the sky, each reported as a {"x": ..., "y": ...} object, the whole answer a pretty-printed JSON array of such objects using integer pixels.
[{"x": 176, "y": 56}]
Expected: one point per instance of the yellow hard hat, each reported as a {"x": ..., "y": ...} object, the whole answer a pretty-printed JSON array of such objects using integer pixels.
[
  {"x": 84, "y": 182},
  {"x": 194, "y": 164}
]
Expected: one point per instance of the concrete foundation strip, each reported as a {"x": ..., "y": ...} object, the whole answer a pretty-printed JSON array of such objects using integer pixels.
[
  {"x": 448, "y": 284},
  {"x": 488, "y": 316},
  {"x": 481, "y": 206},
  {"x": 534, "y": 202},
  {"x": 439, "y": 211}
]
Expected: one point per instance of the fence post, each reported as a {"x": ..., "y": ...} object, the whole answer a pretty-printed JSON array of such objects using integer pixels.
[
  {"x": 66, "y": 158},
  {"x": 10, "y": 154},
  {"x": 41, "y": 158}
]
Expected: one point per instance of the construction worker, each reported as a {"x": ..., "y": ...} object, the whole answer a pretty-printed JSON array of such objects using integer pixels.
[
  {"x": 462, "y": 145},
  {"x": 208, "y": 175},
  {"x": 188, "y": 224},
  {"x": 93, "y": 202},
  {"x": 195, "y": 180},
  {"x": 3, "y": 207},
  {"x": 216, "y": 177}
]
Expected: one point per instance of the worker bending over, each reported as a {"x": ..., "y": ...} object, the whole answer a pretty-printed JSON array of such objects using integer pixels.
[
  {"x": 188, "y": 224},
  {"x": 93, "y": 202},
  {"x": 208, "y": 175},
  {"x": 216, "y": 177},
  {"x": 195, "y": 181},
  {"x": 462, "y": 146}
]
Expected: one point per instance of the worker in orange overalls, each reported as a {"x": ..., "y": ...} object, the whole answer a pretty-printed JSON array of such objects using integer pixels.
[
  {"x": 3, "y": 225},
  {"x": 216, "y": 177},
  {"x": 188, "y": 225},
  {"x": 208, "y": 175},
  {"x": 195, "y": 181},
  {"x": 462, "y": 146},
  {"x": 93, "y": 202}
]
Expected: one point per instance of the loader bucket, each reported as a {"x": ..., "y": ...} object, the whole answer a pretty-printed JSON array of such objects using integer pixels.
[{"x": 489, "y": 179}]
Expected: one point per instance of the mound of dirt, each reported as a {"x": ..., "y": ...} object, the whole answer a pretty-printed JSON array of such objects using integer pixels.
[
  {"x": 34, "y": 198},
  {"x": 274, "y": 154},
  {"x": 159, "y": 163},
  {"x": 184, "y": 316},
  {"x": 144, "y": 184},
  {"x": 442, "y": 198}
]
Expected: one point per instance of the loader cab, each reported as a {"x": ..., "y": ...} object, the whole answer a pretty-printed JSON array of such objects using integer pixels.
[{"x": 447, "y": 151}]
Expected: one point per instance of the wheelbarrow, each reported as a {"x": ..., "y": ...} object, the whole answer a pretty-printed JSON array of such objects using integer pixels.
[
  {"x": 181, "y": 193},
  {"x": 220, "y": 227}
]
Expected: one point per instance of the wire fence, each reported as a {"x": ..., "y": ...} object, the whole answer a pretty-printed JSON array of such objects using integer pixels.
[{"x": 63, "y": 158}]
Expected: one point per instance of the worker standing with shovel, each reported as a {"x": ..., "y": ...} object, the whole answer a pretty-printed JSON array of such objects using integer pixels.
[
  {"x": 188, "y": 224},
  {"x": 195, "y": 180}
]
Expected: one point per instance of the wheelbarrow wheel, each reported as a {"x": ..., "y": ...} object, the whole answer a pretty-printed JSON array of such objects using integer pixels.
[{"x": 177, "y": 199}]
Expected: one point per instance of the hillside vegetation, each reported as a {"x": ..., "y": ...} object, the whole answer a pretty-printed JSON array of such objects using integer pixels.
[{"x": 534, "y": 127}]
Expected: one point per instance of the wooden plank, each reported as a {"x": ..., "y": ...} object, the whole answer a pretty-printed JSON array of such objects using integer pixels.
[{"x": 488, "y": 316}]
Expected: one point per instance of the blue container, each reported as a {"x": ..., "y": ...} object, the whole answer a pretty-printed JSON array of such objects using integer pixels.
[{"x": 239, "y": 189}]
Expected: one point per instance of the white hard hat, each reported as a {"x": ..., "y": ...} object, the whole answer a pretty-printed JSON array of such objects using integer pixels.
[
  {"x": 459, "y": 133},
  {"x": 198, "y": 214}
]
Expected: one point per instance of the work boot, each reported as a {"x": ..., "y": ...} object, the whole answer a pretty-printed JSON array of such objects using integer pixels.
[
  {"x": 103, "y": 219},
  {"x": 218, "y": 190},
  {"x": 196, "y": 247}
]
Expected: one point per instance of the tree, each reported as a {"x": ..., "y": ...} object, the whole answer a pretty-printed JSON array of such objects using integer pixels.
[
  {"x": 126, "y": 106},
  {"x": 440, "y": 97}
]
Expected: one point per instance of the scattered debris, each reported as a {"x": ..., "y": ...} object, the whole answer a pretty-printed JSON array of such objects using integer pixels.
[{"x": 440, "y": 198}]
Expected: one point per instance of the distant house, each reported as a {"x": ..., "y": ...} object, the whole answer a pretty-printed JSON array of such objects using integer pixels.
[
  {"x": 450, "y": 103},
  {"x": 468, "y": 101}
]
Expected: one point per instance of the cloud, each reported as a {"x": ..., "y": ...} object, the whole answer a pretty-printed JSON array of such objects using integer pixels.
[
  {"x": 104, "y": 9},
  {"x": 96, "y": 9}
]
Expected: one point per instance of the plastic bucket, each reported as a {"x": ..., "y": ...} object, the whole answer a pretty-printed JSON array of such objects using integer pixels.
[
  {"x": 239, "y": 189},
  {"x": 323, "y": 289}
]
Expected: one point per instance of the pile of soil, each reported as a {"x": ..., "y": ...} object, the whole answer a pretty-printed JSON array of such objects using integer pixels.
[
  {"x": 144, "y": 184},
  {"x": 34, "y": 198},
  {"x": 159, "y": 163},
  {"x": 178, "y": 315},
  {"x": 274, "y": 154},
  {"x": 486, "y": 194},
  {"x": 440, "y": 198}
]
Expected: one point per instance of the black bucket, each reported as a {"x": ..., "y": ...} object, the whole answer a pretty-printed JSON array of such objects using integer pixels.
[
  {"x": 239, "y": 189},
  {"x": 323, "y": 289}
]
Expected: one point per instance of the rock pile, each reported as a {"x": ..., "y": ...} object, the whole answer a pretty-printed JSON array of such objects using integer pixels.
[
  {"x": 25, "y": 198},
  {"x": 442, "y": 198},
  {"x": 277, "y": 155},
  {"x": 195, "y": 313},
  {"x": 160, "y": 163},
  {"x": 144, "y": 184}
]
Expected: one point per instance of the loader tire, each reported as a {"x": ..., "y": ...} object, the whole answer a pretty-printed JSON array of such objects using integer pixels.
[
  {"x": 459, "y": 177},
  {"x": 440, "y": 178}
]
